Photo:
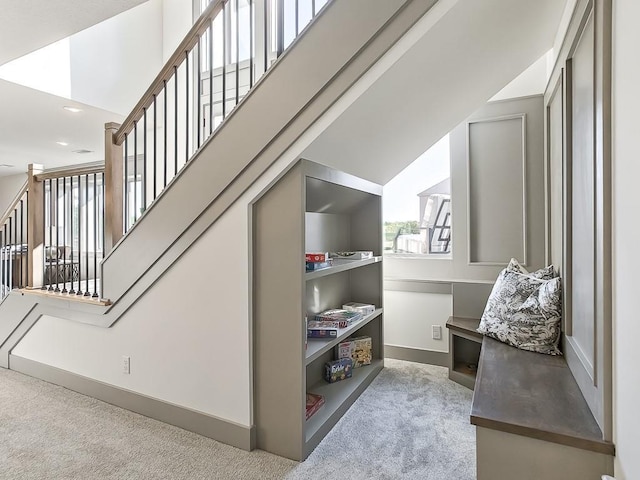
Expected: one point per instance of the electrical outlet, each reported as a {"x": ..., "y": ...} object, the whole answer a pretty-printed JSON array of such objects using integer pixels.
[
  {"x": 126, "y": 364},
  {"x": 436, "y": 332}
]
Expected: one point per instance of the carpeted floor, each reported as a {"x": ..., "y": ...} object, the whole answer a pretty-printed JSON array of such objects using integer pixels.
[{"x": 412, "y": 423}]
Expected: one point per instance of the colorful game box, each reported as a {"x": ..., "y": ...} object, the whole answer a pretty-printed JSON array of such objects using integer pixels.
[
  {"x": 322, "y": 332},
  {"x": 358, "y": 349},
  {"x": 338, "y": 370},
  {"x": 316, "y": 256},
  {"x": 314, "y": 402}
]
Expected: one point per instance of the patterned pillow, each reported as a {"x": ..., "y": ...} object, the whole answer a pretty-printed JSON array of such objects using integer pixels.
[
  {"x": 525, "y": 312},
  {"x": 545, "y": 273}
]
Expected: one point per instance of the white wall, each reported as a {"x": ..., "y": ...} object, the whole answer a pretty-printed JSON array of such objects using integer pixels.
[
  {"x": 114, "y": 62},
  {"x": 626, "y": 237},
  {"x": 177, "y": 18},
  {"x": 193, "y": 351},
  {"x": 532, "y": 81},
  {"x": 9, "y": 186},
  {"x": 408, "y": 317}
]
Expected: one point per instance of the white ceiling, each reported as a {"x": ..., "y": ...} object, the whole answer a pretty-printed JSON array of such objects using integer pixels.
[
  {"x": 31, "y": 122},
  {"x": 459, "y": 63},
  {"x": 27, "y": 25}
]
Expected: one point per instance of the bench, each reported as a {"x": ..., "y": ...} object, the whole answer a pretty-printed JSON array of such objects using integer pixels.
[{"x": 532, "y": 421}]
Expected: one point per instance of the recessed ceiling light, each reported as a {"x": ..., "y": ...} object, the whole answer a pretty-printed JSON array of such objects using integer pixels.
[
  {"x": 72, "y": 109},
  {"x": 5, "y": 165},
  {"x": 82, "y": 150},
  {"x": 64, "y": 144}
]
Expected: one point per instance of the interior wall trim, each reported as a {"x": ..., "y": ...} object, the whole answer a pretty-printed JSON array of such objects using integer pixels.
[
  {"x": 417, "y": 355},
  {"x": 194, "y": 421},
  {"x": 418, "y": 286},
  {"x": 525, "y": 233}
]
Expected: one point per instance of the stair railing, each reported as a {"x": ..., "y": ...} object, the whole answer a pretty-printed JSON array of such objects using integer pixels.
[
  {"x": 52, "y": 236},
  {"x": 72, "y": 229},
  {"x": 14, "y": 265},
  {"x": 227, "y": 50}
]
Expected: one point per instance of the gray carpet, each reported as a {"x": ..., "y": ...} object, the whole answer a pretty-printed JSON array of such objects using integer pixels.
[{"x": 412, "y": 423}]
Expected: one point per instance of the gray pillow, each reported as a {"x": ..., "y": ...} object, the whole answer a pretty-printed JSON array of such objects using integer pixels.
[{"x": 525, "y": 312}]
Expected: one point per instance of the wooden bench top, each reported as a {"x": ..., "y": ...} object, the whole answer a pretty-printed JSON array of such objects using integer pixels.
[
  {"x": 465, "y": 325},
  {"x": 533, "y": 395}
]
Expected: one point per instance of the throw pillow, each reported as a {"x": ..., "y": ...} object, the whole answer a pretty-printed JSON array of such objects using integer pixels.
[
  {"x": 545, "y": 273},
  {"x": 525, "y": 312}
]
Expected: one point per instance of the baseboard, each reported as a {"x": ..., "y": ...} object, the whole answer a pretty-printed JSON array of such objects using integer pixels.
[
  {"x": 201, "y": 423},
  {"x": 416, "y": 355}
]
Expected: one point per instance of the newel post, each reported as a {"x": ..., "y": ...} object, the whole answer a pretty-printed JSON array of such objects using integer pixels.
[
  {"x": 35, "y": 227},
  {"x": 113, "y": 188}
]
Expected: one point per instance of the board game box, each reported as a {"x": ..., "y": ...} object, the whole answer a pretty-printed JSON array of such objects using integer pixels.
[
  {"x": 313, "y": 266},
  {"x": 364, "y": 308},
  {"x": 345, "y": 317},
  {"x": 358, "y": 349},
  {"x": 314, "y": 402},
  {"x": 316, "y": 257},
  {"x": 322, "y": 332},
  {"x": 357, "y": 255},
  {"x": 338, "y": 370}
]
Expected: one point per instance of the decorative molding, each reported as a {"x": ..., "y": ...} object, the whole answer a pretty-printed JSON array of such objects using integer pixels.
[
  {"x": 194, "y": 421},
  {"x": 408, "y": 354},
  {"x": 523, "y": 118}
]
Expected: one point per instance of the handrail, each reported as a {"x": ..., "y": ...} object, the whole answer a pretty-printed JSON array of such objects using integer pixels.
[
  {"x": 167, "y": 71},
  {"x": 84, "y": 169},
  {"x": 14, "y": 203}
]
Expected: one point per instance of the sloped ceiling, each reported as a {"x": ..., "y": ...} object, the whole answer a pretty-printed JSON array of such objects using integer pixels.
[
  {"x": 459, "y": 63},
  {"x": 27, "y": 25}
]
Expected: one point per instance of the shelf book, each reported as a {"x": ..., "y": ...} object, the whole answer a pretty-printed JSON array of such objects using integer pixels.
[{"x": 312, "y": 209}]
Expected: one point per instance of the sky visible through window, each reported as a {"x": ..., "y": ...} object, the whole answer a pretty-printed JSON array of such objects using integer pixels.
[{"x": 400, "y": 195}]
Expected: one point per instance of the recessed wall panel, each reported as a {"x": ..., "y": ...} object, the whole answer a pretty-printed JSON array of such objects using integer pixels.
[
  {"x": 496, "y": 183},
  {"x": 583, "y": 204}
]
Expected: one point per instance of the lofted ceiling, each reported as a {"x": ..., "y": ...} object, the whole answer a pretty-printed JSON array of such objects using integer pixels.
[
  {"x": 27, "y": 25},
  {"x": 31, "y": 122}
]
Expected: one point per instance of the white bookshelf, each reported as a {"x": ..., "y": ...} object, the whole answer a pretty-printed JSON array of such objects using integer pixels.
[{"x": 310, "y": 208}]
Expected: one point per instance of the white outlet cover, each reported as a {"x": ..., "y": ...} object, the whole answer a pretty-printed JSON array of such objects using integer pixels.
[
  {"x": 126, "y": 364},
  {"x": 436, "y": 332}
]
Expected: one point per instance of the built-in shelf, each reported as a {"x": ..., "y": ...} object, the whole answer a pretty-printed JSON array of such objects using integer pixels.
[
  {"x": 343, "y": 266},
  {"x": 465, "y": 343},
  {"x": 339, "y": 396},
  {"x": 311, "y": 208},
  {"x": 317, "y": 346}
]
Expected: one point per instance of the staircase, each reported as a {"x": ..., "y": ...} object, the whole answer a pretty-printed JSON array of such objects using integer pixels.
[{"x": 180, "y": 176}]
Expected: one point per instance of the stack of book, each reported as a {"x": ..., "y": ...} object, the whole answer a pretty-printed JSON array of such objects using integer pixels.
[{"x": 317, "y": 260}]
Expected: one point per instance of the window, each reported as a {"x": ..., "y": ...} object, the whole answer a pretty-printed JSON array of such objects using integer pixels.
[{"x": 417, "y": 205}]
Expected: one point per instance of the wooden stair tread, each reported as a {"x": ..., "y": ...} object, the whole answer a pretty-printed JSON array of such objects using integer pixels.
[{"x": 66, "y": 296}]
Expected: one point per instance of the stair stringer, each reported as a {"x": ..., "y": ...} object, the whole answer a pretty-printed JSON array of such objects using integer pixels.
[{"x": 338, "y": 48}]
